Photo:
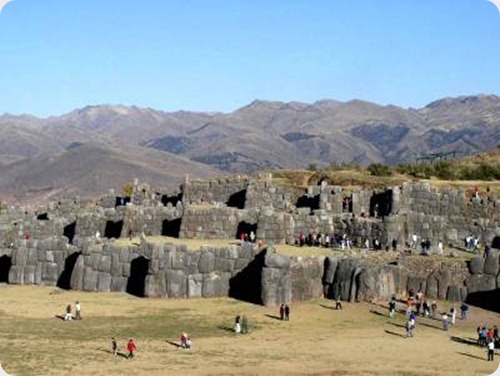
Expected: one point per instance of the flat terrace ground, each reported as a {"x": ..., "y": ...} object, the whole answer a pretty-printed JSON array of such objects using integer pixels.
[
  {"x": 359, "y": 340},
  {"x": 285, "y": 249}
]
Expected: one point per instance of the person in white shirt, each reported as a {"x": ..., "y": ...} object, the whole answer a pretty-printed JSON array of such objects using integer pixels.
[
  {"x": 440, "y": 248},
  {"x": 78, "y": 309},
  {"x": 491, "y": 351}
]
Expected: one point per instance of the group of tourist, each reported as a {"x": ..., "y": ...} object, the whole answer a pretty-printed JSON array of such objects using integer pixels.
[
  {"x": 284, "y": 312},
  {"x": 131, "y": 347},
  {"x": 241, "y": 324},
  {"x": 78, "y": 312},
  {"x": 489, "y": 338},
  {"x": 314, "y": 239}
]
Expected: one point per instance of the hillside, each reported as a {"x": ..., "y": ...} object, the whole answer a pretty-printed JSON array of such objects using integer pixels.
[{"x": 161, "y": 146}]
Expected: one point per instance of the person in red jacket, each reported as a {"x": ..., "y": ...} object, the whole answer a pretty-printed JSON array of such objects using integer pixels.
[{"x": 131, "y": 347}]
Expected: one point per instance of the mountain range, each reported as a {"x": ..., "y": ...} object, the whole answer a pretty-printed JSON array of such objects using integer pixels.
[{"x": 92, "y": 149}]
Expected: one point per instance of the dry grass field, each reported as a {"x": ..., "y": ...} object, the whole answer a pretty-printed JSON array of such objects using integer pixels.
[{"x": 359, "y": 340}]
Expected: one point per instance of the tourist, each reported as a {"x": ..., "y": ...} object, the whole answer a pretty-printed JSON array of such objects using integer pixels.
[
  {"x": 302, "y": 239},
  {"x": 252, "y": 237},
  {"x": 412, "y": 319},
  {"x": 237, "y": 326},
  {"x": 446, "y": 323},
  {"x": 464, "y": 311},
  {"x": 440, "y": 248},
  {"x": 97, "y": 234},
  {"x": 282, "y": 311},
  {"x": 131, "y": 347},
  {"x": 453, "y": 314},
  {"x": 114, "y": 346},
  {"x": 338, "y": 304},
  {"x": 287, "y": 312},
  {"x": 392, "y": 307},
  {"x": 414, "y": 241},
  {"x": 184, "y": 338},
  {"x": 426, "y": 309},
  {"x": 491, "y": 350},
  {"x": 483, "y": 336},
  {"x": 78, "y": 310},
  {"x": 189, "y": 343},
  {"x": 67, "y": 316},
  {"x": 434, "y": 308},
  {"x": 409, "y": 329}
]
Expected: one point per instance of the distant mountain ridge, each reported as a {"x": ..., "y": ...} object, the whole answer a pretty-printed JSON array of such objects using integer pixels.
[{"x": 162, "y": 146}]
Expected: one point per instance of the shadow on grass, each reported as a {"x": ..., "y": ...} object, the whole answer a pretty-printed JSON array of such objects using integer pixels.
[
  {"x": 123, "y": 355},
  {"x": 59, "y": 317},
  {"x": 273, "y": 317},
  {"x": 396, "y": 324},
  {"x": 175, "y": 344},
  {"x": 226, "y": 328},
  {"x": 327, "y": 307},
  {"x": 465, "y": 341},
  {"x": 431, "y": 326},
  {"x": 472, "y": 356},
  {"x": 377, "y": 313},
  {"x": 395, "y": 334}
]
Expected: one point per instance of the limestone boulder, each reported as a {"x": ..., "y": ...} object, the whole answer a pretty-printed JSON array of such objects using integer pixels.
[
  {"x": 206, "y": 263},
  {"x": 195, "y": 286},
  {"x": 330, "y": 267},
  {"x": 277, "y": 261},
  {"x": 76, "y": 280},
  {"x": 344, "y": 278},
  {"x": 480, "y": 282},
  {"x": 276, "y": 286},
  {"x": 176, "y": 284},
  {"x": 476, "y": 265},
  {"x": 454, "y": 294},
  {"x": 492, "y": 263}
]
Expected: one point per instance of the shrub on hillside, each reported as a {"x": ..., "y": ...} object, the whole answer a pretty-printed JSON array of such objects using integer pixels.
[{"x": 378, "y": 169}]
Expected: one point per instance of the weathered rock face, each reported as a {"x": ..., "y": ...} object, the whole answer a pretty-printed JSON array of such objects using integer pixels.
[
  {"x": 344, "y": 278},
  {"x": 380, "y": 282},
  {"x": 492, "y": 263},
  {"x": 476, "y": 265},
  {"x": 276, "y": 280}
]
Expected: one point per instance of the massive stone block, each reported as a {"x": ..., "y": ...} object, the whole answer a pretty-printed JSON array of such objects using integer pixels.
[
  {"x": 104, "y": 282},
  {"x": 480, "y": 282},
  {"x": 76, "y": 281},
  {"x": 207, "y": 262},
  {"x": 176, "y": 284},
  {"x": 195, "y": 285},
  {"x": 343, "y": 278},
  {"x": 212, "y": 285},
  {"x": 492, "y": 263},
  {"x": 276, "y": 286},
  {"x": 376, "y": 282},
  {"x": 331, "y": 264},
  {"x": 476, "y": 265}
]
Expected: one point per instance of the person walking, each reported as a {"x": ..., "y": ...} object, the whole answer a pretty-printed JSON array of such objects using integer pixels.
[
  {"x": 392, "y": 307},
  {"x": 491, "y": 351},
  {"x": 78, "y": 310},
  {"x": 131, "y": 348},
  {"x": 282, "y": 311},
  {"x": 114, "y": 346},
  {"x": 287, "y": 312},
  {"x": 453, "y": 314},
  {"x": 446, "y": 323},
  {"x": 409, "y": 329}
]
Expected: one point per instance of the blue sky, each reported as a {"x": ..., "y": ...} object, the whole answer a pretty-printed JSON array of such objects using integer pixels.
[{"x": 58, "y": 55}]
